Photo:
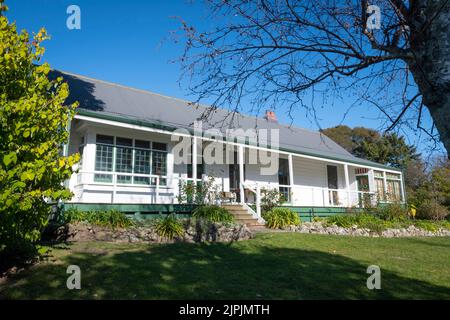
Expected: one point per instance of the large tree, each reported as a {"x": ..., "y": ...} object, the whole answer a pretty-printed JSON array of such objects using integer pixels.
[
  {"x": 271, "y": 53},
  {"x": 387, "y": 148},
  {"x": 33, "y": 126}
]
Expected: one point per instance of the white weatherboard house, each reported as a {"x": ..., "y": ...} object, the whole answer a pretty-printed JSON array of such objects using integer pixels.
[{"x": 124, "y": 136}]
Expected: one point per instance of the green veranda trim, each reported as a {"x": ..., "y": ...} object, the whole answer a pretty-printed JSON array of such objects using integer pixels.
[
  {"x": 150, "y": 211},
  {"x": 309, "y": 213},
  {"x": 133, "y": 208}
]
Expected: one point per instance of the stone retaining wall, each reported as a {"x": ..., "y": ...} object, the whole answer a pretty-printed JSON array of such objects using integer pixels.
[
  {"x": 194, "y": 232},
  {"x": 411, "y": 231}
]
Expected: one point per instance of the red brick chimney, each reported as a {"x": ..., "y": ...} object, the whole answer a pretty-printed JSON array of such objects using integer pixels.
[{"x": 270, "y": 116}]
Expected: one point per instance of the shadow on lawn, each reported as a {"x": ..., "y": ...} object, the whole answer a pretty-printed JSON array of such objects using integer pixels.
[{"x": 216, "y": 271}]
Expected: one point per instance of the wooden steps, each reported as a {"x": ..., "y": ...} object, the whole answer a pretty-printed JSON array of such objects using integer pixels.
[{"x": 241, "y": 215}]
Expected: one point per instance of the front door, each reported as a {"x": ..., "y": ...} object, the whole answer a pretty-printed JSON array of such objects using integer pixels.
[{"x": 332, "y": 185}]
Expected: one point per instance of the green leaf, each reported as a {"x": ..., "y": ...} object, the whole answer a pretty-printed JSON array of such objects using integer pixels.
[{"x": 10, "y": 158}]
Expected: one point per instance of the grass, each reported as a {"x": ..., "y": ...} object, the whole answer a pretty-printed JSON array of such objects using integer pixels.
[{"x": 272, "y": 266}]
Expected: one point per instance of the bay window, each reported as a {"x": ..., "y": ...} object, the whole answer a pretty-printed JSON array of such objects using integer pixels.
[
  {"x": 393, "y": 188},
  {"x": 131, "y": 160}
]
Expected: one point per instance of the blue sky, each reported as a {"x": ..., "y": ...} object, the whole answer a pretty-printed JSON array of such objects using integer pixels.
[{"x": 128, "y": 42}]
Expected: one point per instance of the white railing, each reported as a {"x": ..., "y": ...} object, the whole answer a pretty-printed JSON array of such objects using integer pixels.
[
  {"x": 87, "y": 178},
  {"x": 256, "y": 189},
  {"x": 326, "y": 197},
  {"x": 299, "y": 195},
  {"x": 316, "y": 196}
]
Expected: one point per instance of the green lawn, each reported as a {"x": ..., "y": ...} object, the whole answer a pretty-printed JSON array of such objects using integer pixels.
[{"x": 272, "y": 266}]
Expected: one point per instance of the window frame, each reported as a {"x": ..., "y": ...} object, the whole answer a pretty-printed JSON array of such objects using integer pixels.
[{"x": 151, "y": 180}]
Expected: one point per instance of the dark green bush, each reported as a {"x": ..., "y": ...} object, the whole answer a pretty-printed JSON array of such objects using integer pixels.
[
  {"x": 432, "y": 210},
  {"x": 169, "y": 227},
  {"x": 281, "y": 217},
  {"x": 213, "y": 213}
]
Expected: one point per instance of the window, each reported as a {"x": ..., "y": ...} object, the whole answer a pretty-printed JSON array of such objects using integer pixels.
[
  {"x": 142, "y": 161},
  {"x": 332, "y": 179},
  {"x": 159, "y": 165},
  {"x": 200, "y": 164},
  {"x": 124, "y": 159},
  {"x": 200, "y": 170},
  {"x": 134, "y": 159},
  {"x": 283, "y": 172},
  {"x": 283, "y": 178},
  {"x": 393, "y": 186},
  {"x": 379, "y": 185},
  {"x": 81, "y": 150},
  {"x": 380, "y": 188},
  {"x": 159, "y": 146},
  {"x": 392, "y": 176},
  {"x": 378, "y": 174},
  {"x": 393, "y": 190},
  {"x": 104, "y": 158}
]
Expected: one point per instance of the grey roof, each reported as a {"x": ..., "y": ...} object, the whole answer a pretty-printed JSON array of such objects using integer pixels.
[{"x": 107, "y": 99}]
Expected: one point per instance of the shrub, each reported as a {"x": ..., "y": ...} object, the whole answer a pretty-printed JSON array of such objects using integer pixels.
[
  {"x": 392, "y": 211},
  {"x": 169, "y": 227},
  {"x": 374, "y": 223},
  {"x": 33, "y": 121},
  {"x": 73, "y": 215},
  {"x": 280, "y": 218},
  {"x": 205, "y": 191},
  {"x": 271, "y": 198},
  {"x": 426, "y": 225},
  {"x": 342, "y": 220},
  {"x": 432, "y": 210},
  {"x": 213, "y": 213},
  {"x": 432, "y": 225},
  {"x": 363, "y": 220},
  {"x": 110, "y": 218}
]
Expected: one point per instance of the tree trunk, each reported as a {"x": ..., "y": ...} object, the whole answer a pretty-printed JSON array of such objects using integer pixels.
[{"x": 431, "y": 68}]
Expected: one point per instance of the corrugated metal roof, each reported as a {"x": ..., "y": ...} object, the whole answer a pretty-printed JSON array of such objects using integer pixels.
[{"x": 103, "y": 98}]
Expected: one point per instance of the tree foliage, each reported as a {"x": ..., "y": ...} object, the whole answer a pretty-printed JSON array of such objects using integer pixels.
[
  {"x": 428, "y": 187},
  {"x": 33, "y": 124},
  {"x": 387, "y": 148}
]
